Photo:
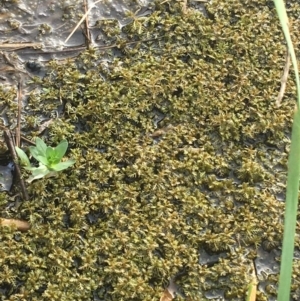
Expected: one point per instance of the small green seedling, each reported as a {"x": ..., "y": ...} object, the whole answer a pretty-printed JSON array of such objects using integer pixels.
[{"x": 49, "y": 159}]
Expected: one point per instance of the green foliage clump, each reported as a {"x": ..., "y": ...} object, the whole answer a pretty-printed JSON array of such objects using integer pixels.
[
  {"x": 179, "y": 148},
  {"x": 49, "y": 159}
]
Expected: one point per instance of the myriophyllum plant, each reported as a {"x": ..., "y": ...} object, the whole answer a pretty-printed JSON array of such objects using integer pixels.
[{"x": 49, "y": 158}]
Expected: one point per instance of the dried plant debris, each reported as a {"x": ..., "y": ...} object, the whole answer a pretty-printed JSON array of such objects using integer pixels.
[
  {"x": 166, "y": 296},
  {"x": 15, "y": 223},
  {"x": 135, "y": 210}
]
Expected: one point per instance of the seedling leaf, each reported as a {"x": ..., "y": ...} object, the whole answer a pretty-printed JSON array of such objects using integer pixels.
[
  {"x": 40, "y": 146},
  {"x": 22, "y": 156},
  {"x": 38, "y": 173},
  {"x": 49, "y": 159},
  {"x": 52, "y": 157},
  {"x": 61, "y": 149},
  {"x": 62, "y": 165},
  {"x": 42, "y": 160},
  {"x": 36, "y": 153}
]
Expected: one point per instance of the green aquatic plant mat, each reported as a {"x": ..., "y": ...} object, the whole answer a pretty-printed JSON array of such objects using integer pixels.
[
  {"x": 290, "y": 217},
  {"x": 172, "y": 156}
]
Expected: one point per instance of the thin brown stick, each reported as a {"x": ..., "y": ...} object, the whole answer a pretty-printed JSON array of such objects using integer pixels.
[
  {"x": 4, "y": 128},
  {"x": 184, "y": 7},
  {"x": 284, "y": 78},
  {"x": 22, "y": 137},
  {"x": 81, "y": 20},
  {"x": 18, "y": 128},
  {"x": 11, "y": 146},
  {"x": 20, "y": 45},
  {"x": 27, "y": 140},
  {"x": 66, "y": 50},
  {"x": 87, "y": 31},
  {"x": 18, "y": 224},
  {"x": 82, "y": 48}
]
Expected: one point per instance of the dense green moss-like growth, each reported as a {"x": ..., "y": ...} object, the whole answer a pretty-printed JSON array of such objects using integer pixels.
[{"x": 179, "y": 148}]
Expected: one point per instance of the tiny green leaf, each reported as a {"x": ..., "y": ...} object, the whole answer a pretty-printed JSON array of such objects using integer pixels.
[
  {"x": 38, "y": 173},
  {"x": 40, "y": 145},
  {"x": 61, "y": 149},
  {"x": 62, "y": 165},
  {"x": 22, "y": 156},
  {"x": 35, "y": 152},
  {"x": 30, "y": 168},
  {"x": 42, "y": 160},
  {"x": 52, "y": 156}
]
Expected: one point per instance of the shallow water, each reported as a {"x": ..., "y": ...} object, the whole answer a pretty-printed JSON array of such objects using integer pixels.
[{"x": 48, "y": 24}]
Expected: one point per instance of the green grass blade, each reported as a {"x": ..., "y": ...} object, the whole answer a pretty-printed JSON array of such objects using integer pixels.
[
  {"x": 280, "y": 7},
  {"x": 290, "y": 216}
]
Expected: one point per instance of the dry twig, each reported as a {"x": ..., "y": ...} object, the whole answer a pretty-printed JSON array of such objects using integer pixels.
[
  {"x": 11, "y": 146},
  {"x": 284, "y": 78},
  {"x": 81, "y": 20},
  {"x": 161, "y": 131},
  {"x": 82, "y": 48},
  {"x": 16, "y": 46},
  {"x": 19, "y": 224},
  {"x": 18, "y": 128},
  {"x": 87, "y": 31},
  {"x": 184, "y": 7}
]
